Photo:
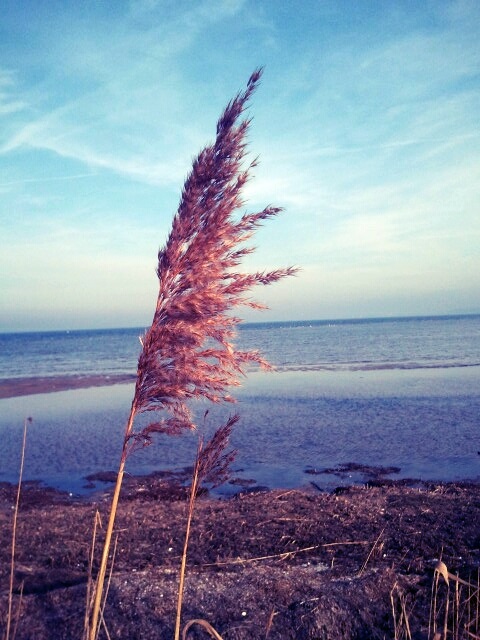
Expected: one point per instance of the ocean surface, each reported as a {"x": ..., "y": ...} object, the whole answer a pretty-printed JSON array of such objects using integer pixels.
[{"x": 397, "y": 392}]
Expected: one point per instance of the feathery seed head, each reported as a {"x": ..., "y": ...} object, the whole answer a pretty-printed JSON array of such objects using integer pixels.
[{"x": 188, "y": 352}]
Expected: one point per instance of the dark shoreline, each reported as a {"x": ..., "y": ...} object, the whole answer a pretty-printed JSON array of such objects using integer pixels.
[
  {"x": 16, "y": 387},
  {"x": 174, "y": 484}
]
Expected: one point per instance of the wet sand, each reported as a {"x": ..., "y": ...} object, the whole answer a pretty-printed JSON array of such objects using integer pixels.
[
  {"x": 280, "y": 564},
  {"x": 291, "y": 423},
  {"x": 15, "y": 387}
]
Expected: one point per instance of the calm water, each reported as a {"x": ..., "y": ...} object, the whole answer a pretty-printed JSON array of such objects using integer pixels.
[
  {"x": 402, "y": 343},
  {"x": 402, "y": 392}
]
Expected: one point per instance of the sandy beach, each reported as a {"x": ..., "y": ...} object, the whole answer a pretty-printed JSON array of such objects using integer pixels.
[{"x": 15, "y": 387}]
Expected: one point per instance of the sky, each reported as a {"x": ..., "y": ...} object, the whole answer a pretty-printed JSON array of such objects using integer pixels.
[{"x": 366, "y": 125}]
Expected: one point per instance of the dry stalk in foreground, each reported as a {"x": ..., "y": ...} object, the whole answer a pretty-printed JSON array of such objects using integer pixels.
[
  {"x": 188, "y": 351},
  {"x": 212, "y": 464},
  {"x": 14, "y": 535},
  {"x": 455, "y": 608}
]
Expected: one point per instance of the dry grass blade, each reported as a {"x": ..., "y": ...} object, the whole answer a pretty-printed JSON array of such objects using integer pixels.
[
  {"x": 105, "y": 628},
  {"x": 183, "y": 565},
  {"x": 394, "y": 615},
  {"x": 454, "y": 606},
  {"x": 285, "y": 554},
  {"x": 375, "y": 544},
  {"x": 97, "y": 522},
  {"x": 211, "y": 465},
  {"x": 14, "y": 533},
  {"x": 270, "y": 620},
  {"x": 19, "y": 608},
  {"x": 109, "y": 582},
  {"x": 202, "y": 623},
  {"x": 401, "y": 621},
  {"x": 441, "y": 570}
]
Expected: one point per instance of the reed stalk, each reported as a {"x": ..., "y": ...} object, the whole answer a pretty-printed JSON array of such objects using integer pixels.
[
  {"x": 14, "y": 531},
  {"x": 188, "y": 351},
  {"x": 97, "y": 602},
  {"x": 212, "y": 465},
  {"x": 97, "y": 522},
  {"x": 183, "y": 565}
]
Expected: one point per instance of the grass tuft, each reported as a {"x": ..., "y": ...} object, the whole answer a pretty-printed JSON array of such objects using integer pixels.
[{"x": 454, "y": 607}]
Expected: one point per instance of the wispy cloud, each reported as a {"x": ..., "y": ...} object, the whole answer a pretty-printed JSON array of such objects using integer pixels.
[
  {"x": 11, "y": 102},
  {"x": 78, "y": 176},
  {"x": 133, "y": 87}
]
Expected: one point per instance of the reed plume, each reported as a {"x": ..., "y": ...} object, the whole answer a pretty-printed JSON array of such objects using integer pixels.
[{"x": 188, "y": 351}]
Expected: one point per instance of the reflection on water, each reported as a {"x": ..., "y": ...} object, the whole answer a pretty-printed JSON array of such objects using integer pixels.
[{"x": 424, "y": 421}]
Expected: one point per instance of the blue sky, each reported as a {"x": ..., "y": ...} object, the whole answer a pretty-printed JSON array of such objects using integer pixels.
[{"x": 366, "y": 123}]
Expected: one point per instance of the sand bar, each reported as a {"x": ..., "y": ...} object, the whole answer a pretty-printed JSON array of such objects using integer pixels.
[{"x": 14, "y": 387}]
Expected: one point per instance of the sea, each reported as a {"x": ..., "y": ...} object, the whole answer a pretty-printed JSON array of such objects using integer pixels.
[{"x": 348, "y": 401}]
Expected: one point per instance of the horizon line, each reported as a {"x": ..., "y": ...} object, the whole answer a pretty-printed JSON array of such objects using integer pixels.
[{"x": 343, "y": 320}]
